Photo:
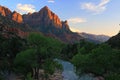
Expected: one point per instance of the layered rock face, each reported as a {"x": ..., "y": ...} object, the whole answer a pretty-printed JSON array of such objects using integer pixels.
[
  {"x": 11, "y": 31},
  {"x": 17, "y": 17},
  {"x": 45, "y": 19},
  {"x": 5, "y": 11},
  {"x": 50, "y": 24},
  {"x": 11, "y": 15}
]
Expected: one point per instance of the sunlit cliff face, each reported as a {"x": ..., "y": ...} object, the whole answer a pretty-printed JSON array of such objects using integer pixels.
[
  {"x": 11, "y": 15},
  {"x": 17, "y": 17}
]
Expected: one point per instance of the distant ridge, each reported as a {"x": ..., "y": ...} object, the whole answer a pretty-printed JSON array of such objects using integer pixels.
[{"x": 94, "y": 38}]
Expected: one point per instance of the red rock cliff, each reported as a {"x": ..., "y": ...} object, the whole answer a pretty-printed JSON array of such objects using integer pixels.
[
  {"x": 11, "y": 31},
  {"x": 12, "y": 15},
  {"x": 4, "y": 11},
  {"x": 44, "y": 17},
  {"x": 17, "y": 17}
]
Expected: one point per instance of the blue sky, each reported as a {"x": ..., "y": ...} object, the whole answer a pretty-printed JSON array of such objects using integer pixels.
[{"x": 91, "y": 16}]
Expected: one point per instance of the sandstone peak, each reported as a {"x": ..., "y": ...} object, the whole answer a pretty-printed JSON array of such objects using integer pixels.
[
  {"x": 65, "y": 25},
  {"x": 4, "y": 11},
  {"x": 45, "y": 8},
  {"x": 17, "y": 17},
  {"x": 47, "y": 18},
  {"x": 29, "y": 13},
  {"x": 66, "y": 22},
  {"x": 15, "y": 12},
  {"x": 44, "y": 21}
]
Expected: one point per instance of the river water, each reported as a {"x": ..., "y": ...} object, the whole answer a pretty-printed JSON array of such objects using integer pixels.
[{"x": 69, "y": 72}]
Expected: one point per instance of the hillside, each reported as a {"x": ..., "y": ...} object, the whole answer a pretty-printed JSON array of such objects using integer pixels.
[
  {"x": 44, "y": 21},
  {"x": 114, "y": 41},
  {"x": 95, "y": 38}
]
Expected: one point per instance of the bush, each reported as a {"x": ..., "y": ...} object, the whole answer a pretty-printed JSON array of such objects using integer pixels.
[
  {"x": 113, "y": 76},
  {"x": 100, "y": 60},
  {"x": 29, "y": 77}
]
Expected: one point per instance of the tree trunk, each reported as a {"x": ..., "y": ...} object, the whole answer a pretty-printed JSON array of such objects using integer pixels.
[{"x": 36, "y": 73}]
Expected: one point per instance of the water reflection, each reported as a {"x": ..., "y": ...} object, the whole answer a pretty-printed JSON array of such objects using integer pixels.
[{"x": 69, "y": 72}]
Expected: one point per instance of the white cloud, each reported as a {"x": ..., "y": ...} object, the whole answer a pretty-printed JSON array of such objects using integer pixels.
[
  {"x": 76, "y": 20},
  {"x": 74, "y": 29},
  {"x": 25, "y": 8},
  {"x": 95, "y": 8},
  {"x": 51, "y": 1}
]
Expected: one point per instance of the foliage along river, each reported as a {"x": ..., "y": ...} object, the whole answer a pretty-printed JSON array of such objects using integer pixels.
[{"x": 69, "y": 72}]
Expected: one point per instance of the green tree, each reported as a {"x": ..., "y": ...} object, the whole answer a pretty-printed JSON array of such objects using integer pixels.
[
  {"x": 9, "y": 47},
  {"x": 97, "y": 61},
  {"x": 41, "y": 50},
  {"x": 25, "y": 61}
]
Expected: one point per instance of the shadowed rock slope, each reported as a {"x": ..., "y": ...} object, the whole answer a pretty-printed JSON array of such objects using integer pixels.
[
  {"x": 50, "y": 24},
  {"x": 43, "y": 21}
]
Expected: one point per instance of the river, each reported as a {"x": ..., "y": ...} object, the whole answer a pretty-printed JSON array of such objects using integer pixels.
[{"x": 69, "y": 72}]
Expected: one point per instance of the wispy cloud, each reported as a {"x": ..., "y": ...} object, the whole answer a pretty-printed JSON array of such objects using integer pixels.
[
  {"x": 74, "y": 29},
  {"x": 25, "y": 8},
  {"x": 51, "y": 1},
  {"x": 95, "y": 8},
  {"x": 77, "y": 20}
]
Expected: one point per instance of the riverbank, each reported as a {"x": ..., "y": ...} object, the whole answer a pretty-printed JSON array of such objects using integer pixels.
[{"x": 57, "y": 75}]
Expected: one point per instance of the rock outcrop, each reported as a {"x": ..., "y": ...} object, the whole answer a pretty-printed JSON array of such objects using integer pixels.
[
  {"x": 11, "y": 15},
  {"x": 5, "y": 11},
  {"x": 44, "y": 18},
  {"x": 50, "y": 24},
  {"x": 9, "y": 32},
  {"x": 43, "y": 21},
  {"x": 17, "y": 17}
]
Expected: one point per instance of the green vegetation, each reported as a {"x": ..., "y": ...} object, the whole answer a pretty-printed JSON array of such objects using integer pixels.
[
  {"x": 40, "y": 54},
  {"x": 8, "y": 50},
  {"x": 71, "y": 50},
  {"x": 37, "y": 52},
  {"x": 29, "y": 55},
  {"x": 10, "y": 23},
  {"x": 101, "y": 60},
  {"x": 115, "y": 41}
]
